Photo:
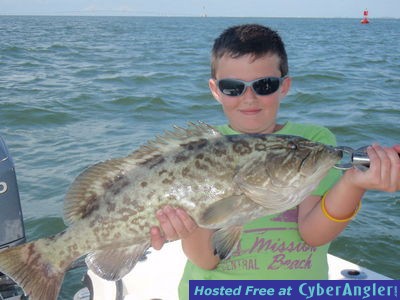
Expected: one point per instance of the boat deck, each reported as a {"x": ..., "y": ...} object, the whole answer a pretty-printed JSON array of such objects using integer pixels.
[{"x": 158, "y": 276}]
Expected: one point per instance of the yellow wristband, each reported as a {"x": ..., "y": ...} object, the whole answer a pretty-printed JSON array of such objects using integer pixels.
[{"x": 323, "y": 208}]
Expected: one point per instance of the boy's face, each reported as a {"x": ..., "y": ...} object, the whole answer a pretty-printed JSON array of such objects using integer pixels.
[{"x": 249, "y": 112}]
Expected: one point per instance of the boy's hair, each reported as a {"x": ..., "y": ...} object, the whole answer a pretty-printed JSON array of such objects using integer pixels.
[{"x": 253, "y": 39}]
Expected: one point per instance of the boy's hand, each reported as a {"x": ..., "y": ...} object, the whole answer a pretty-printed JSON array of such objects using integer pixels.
[
  {"x": 175, "y": 224},
  {"x": 383, "y": 173}
]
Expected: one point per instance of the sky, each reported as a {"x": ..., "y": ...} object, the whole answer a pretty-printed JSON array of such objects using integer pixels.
[{"x": 211, "y": 8}]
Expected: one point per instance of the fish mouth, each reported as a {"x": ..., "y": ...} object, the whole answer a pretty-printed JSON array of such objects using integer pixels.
[
  {"x": 338, "y": 151},
  {"x": 335, "y": 153}
]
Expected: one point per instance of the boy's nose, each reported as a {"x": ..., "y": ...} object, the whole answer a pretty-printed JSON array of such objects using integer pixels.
[{"x": 249, "y": 95}]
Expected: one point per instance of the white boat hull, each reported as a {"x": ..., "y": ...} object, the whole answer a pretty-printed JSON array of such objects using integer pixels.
[{"x": 159, "y": 275}]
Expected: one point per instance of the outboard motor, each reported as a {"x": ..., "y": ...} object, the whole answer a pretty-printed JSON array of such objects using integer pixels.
[{"x": 12, "y": 230}]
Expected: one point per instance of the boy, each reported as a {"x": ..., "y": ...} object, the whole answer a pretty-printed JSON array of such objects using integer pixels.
[{"x": 250, "y": 78}]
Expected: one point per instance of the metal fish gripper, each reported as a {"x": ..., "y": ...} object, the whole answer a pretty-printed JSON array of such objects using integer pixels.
[{"x": 353, "y": 158}]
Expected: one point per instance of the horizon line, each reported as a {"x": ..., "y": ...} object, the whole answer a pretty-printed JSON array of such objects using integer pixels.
[{"x": 80, "y": 14}]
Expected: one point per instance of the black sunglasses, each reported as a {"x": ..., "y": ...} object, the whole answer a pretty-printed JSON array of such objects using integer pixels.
[{"x": 262, "y": 86}]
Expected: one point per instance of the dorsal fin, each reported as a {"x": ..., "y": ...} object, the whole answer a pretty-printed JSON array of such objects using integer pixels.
[
  {"x": 84, "y": 194},
  {"x": 170, "y": 140}
]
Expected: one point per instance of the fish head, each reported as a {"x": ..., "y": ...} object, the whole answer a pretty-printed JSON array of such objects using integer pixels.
[
  {"x": 284, "y": 170},
  {"x": 293, "y": 160}
]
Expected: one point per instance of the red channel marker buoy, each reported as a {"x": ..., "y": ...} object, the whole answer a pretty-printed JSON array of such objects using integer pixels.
[{"x": 365, "y": 19}]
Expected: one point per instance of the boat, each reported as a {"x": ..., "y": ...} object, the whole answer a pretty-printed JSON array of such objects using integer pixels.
[
  {"x": 156, "y": 276},
  {"x": 365, "y": 18}
]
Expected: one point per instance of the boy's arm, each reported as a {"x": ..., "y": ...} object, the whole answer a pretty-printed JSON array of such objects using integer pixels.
[
  {"x": 196, "y": 241},
  {"x": 343, "y": 199}
]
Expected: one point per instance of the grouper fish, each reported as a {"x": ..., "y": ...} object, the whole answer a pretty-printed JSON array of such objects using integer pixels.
[{"x": 223, "y": 182}]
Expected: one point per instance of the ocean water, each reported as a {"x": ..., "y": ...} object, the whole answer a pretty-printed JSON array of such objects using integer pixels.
[{"x": 78, "y": 90}]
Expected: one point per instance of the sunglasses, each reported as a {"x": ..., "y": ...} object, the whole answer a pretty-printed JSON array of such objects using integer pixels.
[{"x": 262, "y": 86}]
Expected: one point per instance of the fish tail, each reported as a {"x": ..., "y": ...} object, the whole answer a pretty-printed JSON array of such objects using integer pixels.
[{"x": 32, "y": 271}]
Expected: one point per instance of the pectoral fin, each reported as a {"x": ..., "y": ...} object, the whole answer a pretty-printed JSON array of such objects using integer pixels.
[
  {"x": 273, "y": 200},
  {"x": 220, "y": 211},
  {"x": 225, "y": 240},
  {"x": 113, "y": 264},
  {"x": 274, "y": 196}
]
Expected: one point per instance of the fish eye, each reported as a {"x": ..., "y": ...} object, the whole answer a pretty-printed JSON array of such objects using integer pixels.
[{"x": 292, "y": 146}]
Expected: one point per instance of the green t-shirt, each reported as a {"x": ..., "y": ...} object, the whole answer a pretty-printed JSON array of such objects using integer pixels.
[{"x": 271, "y": 246}]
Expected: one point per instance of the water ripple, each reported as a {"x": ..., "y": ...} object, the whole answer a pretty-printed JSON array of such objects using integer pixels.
[{"x": 78, "y": 90}]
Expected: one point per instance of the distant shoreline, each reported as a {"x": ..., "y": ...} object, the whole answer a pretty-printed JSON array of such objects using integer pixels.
[{"x": 72, "y": 14}]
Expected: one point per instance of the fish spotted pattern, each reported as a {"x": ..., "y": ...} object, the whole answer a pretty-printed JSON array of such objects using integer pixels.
[{"x": 221, "y": 181}]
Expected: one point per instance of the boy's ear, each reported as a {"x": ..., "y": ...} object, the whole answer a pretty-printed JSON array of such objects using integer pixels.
[
  {"x": 214, "y": 89},
  {"x": 287, "y": 82}
]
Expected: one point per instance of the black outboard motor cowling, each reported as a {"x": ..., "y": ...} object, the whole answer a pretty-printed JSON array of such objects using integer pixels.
[
  {"x": 11, "y": 223},
  {"x": 12, "y": 230}
]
